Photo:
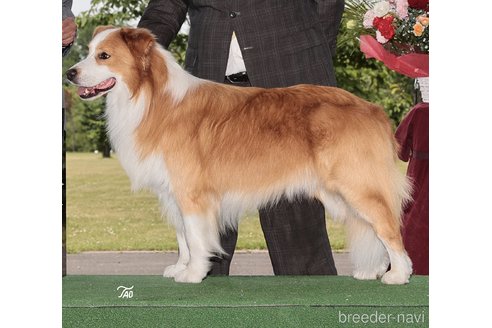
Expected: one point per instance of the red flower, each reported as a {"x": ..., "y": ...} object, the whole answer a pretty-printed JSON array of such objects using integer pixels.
[
  {"x": 385, "y": 26},
  {"x": 419, "y": 4}
]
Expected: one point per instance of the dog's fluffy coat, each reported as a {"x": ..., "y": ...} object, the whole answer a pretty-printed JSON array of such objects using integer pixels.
[{"x": 211, "y": 151}]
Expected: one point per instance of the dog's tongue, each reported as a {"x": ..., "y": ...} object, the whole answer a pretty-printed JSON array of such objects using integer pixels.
[
  {"x": 85, "y": 91},
  {"x": 104, "y": 84}
]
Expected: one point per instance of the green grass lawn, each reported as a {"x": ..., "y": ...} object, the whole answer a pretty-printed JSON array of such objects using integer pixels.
[{"x": 103, "y": 214}]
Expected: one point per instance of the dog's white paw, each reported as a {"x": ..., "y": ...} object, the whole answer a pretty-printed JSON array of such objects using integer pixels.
[
  {"x": 371, "y": 274},
  {"x": 172, "y": 270},
  {"x": 394, "y": 277},
  {"x": 401, "y": 269},
  {"x": 189, "y": 275},
  {"x": 363, "y": 275}
]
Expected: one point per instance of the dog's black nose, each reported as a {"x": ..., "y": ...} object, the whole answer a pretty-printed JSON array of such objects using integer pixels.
[{"x": 71, "y": 74}]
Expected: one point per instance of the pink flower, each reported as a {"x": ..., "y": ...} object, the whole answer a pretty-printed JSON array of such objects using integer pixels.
[
  {"x": 424, "y": 20},
  {"x": 380, "y": 38},
  {"x": 402, "y": 8},
  {"x": 369, "y": 18}
]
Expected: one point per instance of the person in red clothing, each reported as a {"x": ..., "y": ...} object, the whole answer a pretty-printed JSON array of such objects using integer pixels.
[{"x": 413, "y": 136}]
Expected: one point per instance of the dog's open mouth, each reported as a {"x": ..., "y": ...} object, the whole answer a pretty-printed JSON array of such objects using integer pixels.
[{"x": 98, "y": 89}]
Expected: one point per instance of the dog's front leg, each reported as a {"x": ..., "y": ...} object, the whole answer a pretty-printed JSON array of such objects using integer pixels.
[
  {"x": 184, "y": 255},
  {"x": 202, "y": 239}
]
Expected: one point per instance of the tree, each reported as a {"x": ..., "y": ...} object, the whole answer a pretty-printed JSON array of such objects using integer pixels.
[{"x": 113, "y": 12}]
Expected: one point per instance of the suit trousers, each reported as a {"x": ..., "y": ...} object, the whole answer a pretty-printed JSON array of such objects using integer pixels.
[{"x": 295, "y": 234}]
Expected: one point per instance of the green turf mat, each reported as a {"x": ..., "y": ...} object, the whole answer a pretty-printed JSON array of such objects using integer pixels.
[{"x": 282, "y": 301}]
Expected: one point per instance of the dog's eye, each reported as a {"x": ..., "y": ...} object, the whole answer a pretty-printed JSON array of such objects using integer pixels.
[{"x": 104, "y": 56}]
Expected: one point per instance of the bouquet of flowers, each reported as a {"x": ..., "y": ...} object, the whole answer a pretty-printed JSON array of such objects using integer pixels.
[{"x": 395, "y": 32}]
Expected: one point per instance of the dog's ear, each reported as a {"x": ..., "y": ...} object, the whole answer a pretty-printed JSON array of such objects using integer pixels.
[
  {"x": 101, "y": 28},
  {"x": 140, "y": 42}
]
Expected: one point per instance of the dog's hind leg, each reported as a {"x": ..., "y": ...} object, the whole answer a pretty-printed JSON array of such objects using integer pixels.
[
  {"x": 374, "y": 193},
  {"x": 368, "y": 254},
  {"x": 386, "y": 228}
]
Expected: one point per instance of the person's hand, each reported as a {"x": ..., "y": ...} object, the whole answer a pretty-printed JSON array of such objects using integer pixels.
[{"x": 69, "y": 29}]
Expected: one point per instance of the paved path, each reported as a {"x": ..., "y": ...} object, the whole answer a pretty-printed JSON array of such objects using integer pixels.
[{"x": 153, "y": 263}]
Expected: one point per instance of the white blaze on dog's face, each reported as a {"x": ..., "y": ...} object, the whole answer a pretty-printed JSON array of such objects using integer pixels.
[
  {"x": 93, "y": 74},
  {"x": 116, "y": 56}
]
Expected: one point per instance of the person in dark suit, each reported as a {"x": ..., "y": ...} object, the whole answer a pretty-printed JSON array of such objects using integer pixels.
[
  {"x": 275, "y": 43},
  {"x": 69, "y": 28}
]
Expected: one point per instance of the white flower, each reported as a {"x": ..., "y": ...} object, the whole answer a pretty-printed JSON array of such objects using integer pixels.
[
  {"x": 380, "y": 38},
  {"x": 381, "y": 8},
  {"x": 368, "y": 18}
]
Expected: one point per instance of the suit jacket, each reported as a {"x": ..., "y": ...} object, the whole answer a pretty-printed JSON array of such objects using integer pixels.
[
  {"x": 284, "y": 42},
  {"x": 67, "y": 9},
  {"x": 66, "y": 13}
]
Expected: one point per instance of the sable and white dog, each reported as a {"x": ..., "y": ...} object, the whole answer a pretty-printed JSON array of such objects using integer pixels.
[{"x": 211, "y": 151}]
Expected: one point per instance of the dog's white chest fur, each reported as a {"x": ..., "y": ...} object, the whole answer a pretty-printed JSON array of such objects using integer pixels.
[{"x": 123, "y": 117}]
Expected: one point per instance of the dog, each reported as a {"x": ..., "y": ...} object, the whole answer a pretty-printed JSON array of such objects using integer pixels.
[{"x": 211, "y": 151}]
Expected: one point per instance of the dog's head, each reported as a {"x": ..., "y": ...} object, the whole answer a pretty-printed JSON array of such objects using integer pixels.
[{"x": 116, "y": 56}]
